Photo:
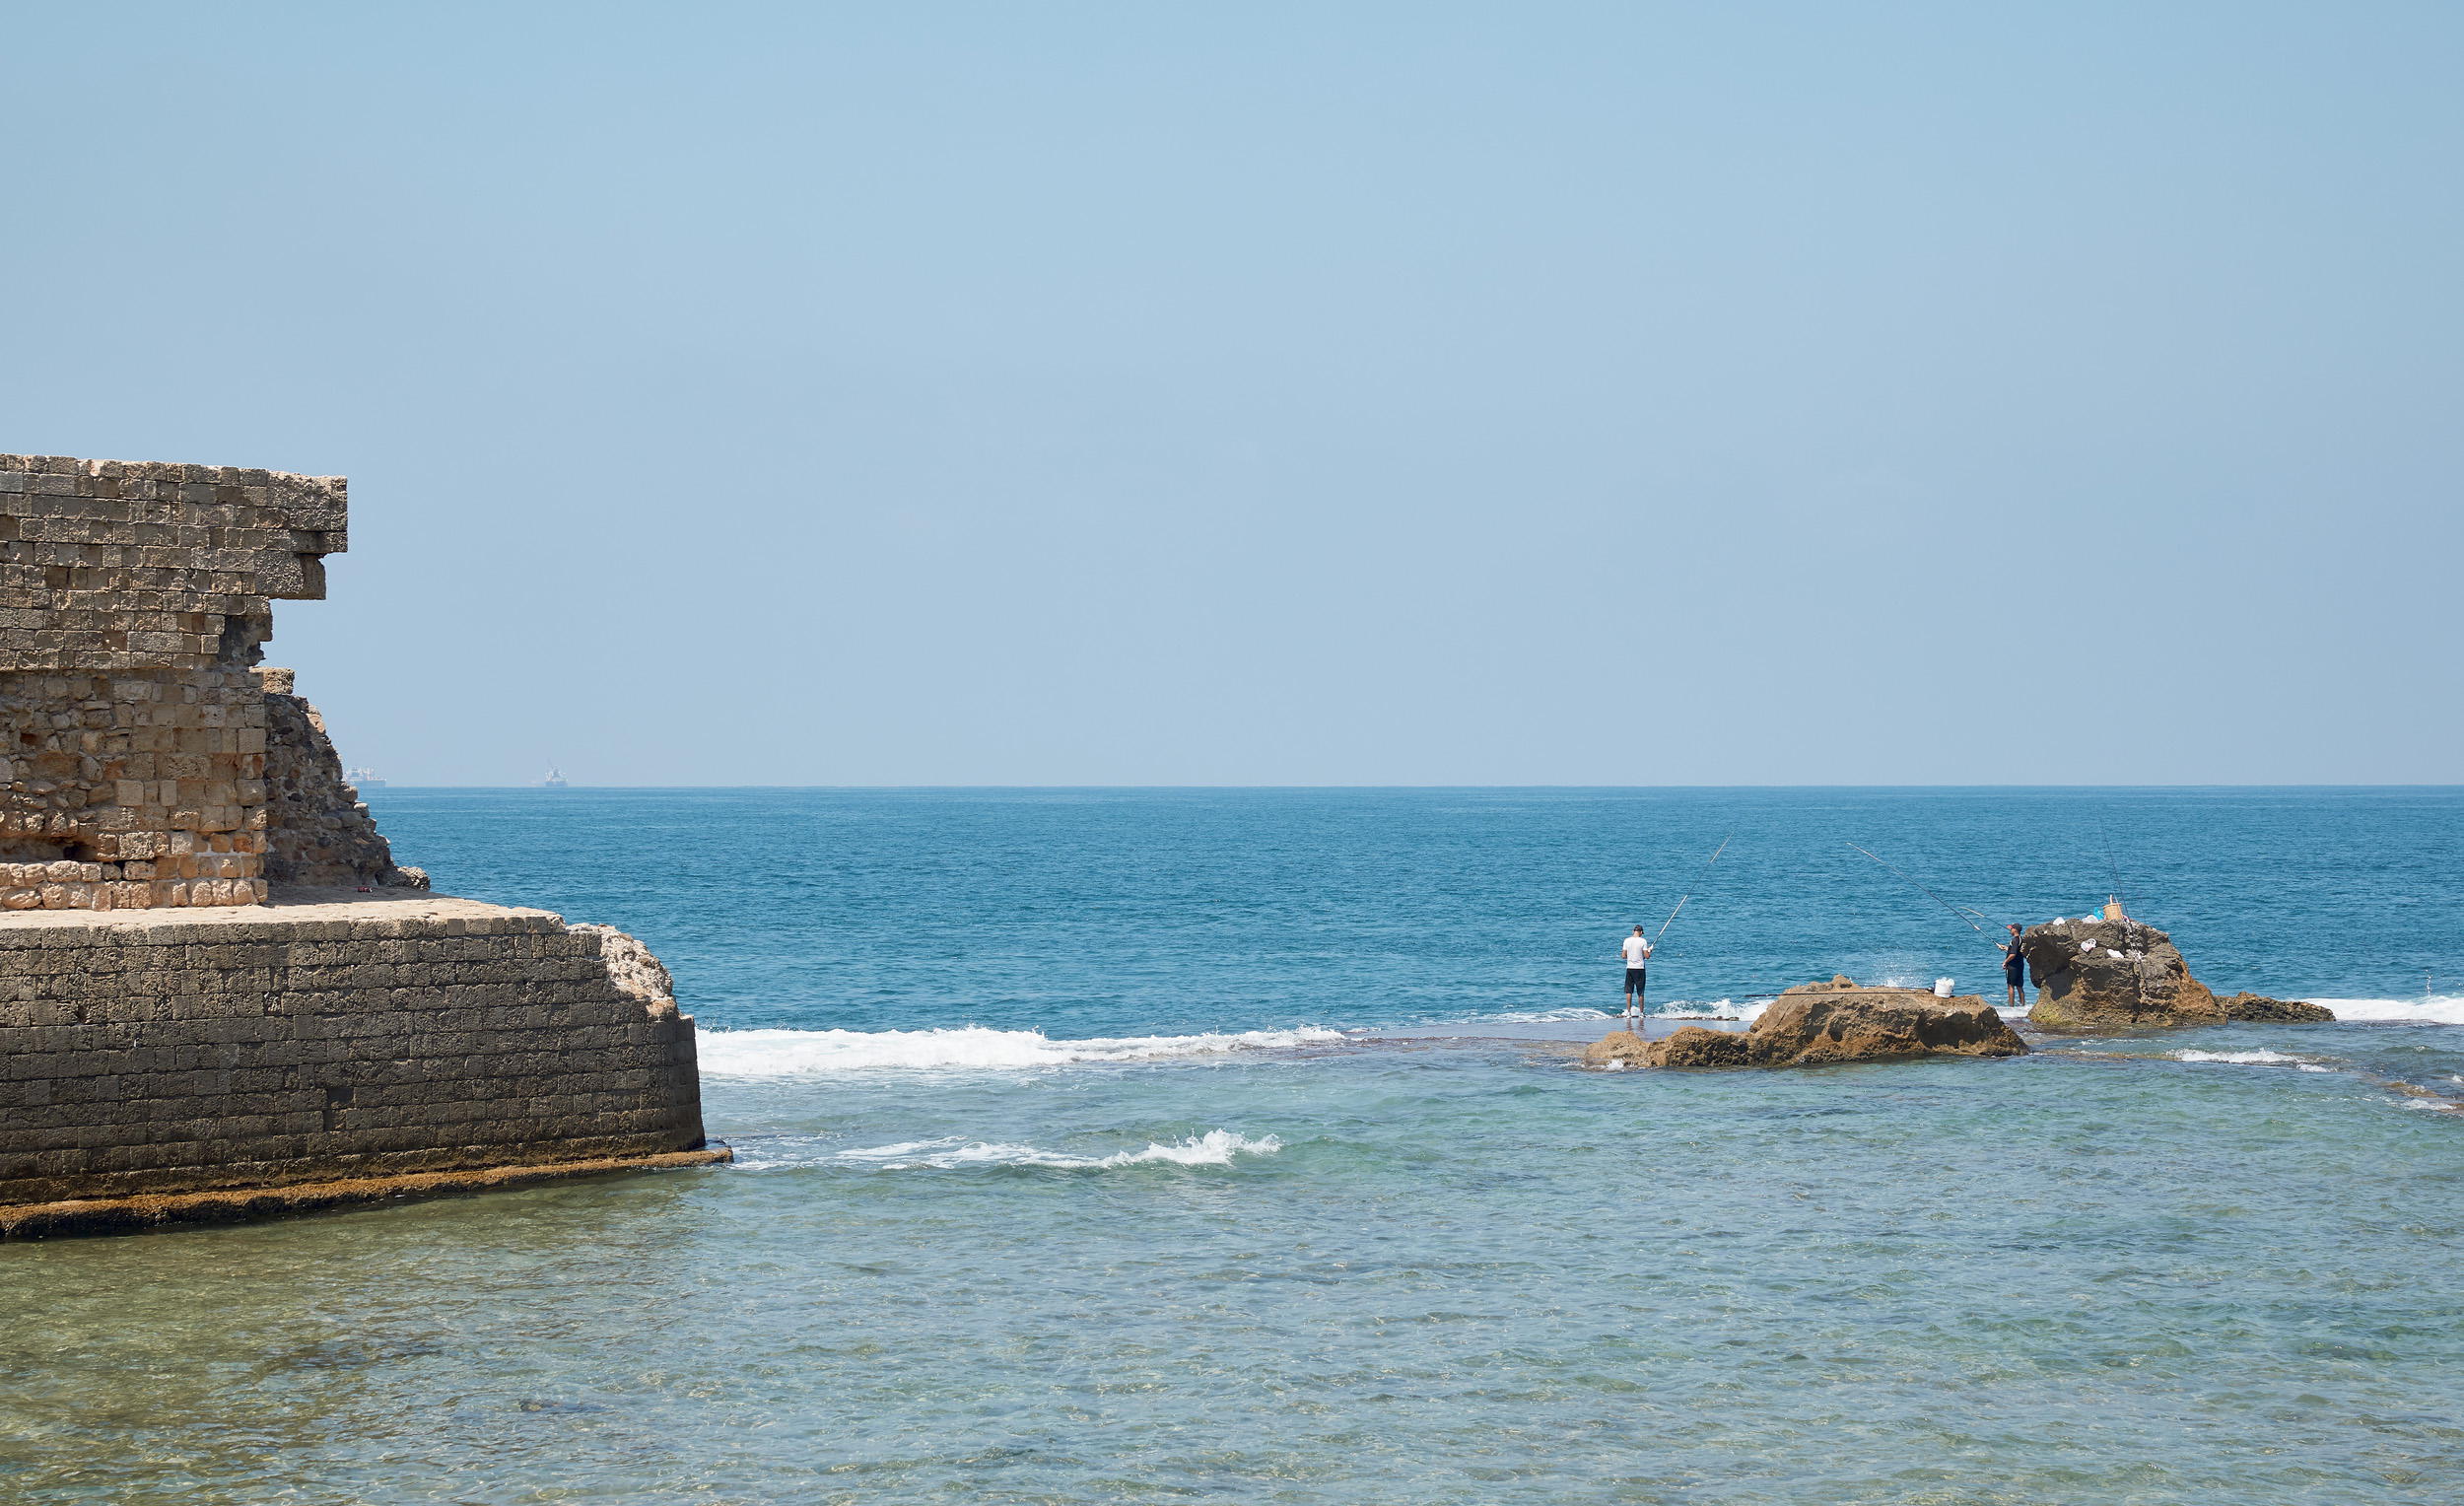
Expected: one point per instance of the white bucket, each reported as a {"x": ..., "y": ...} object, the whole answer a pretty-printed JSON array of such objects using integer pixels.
[{"x": 1942, "y": 987}]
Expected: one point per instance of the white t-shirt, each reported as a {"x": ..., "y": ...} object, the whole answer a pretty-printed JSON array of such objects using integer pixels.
[{"x": 1637, "y": 948}]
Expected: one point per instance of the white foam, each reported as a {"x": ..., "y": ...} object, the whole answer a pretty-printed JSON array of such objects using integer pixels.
[
  {"x": 806, "y": 1052},
  {"x": 1712, "y": 1010},
  {"x": 2446, "y": 1009},
  {"x": 2250, "y": 1059},
  {"x": 1216, "y": 1147},
  {"x": 1698, "y": 1009}
]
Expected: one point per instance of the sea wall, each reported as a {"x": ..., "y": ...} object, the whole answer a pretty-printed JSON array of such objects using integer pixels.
[
  {"x": 323, "y": 1037},
  {"x": 218, "y": 994}
]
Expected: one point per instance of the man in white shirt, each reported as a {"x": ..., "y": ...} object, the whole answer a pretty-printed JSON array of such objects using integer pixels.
[{"x": 1637, "y": 952}]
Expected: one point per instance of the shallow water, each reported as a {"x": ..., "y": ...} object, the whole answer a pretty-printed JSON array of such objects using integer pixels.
[{"x": 1307, "y": 1267}]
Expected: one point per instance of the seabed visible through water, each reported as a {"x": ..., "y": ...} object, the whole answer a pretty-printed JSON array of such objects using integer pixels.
[{"x": 1224, "y": 1146}]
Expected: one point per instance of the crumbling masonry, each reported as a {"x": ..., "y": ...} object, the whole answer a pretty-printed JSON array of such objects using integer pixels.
[
  {"x": 149, "y": 762},
  {"x": 218, "y": 994}
]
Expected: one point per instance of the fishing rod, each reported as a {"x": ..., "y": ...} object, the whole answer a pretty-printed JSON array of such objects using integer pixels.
[
  {"x": 2113, "y": 871},
  {"x": 1689, "y": 894},
  {"x": 1971, "y": 917}
]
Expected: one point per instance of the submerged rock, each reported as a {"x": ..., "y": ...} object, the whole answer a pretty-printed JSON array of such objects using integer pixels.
[
  {"x": 2112, "y": 975},
  {"x": 2282, "y": 1011},
  {"x": 1818, "y": 1023},
  {"x": 1695, "y": 1046},
  {"x": 1617, "y": 1049}
]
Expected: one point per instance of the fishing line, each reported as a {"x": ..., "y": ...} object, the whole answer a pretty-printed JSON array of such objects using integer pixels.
[
  {"x": 1689, "y": 894},
  {"x": 1966, "y": 914},
  {"x": 2113, "y": 871}
]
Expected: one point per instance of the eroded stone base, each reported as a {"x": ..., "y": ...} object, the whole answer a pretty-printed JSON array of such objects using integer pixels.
[
  {"x": 326, "y": 1037},
  {"x": 129, "y": 1215}
]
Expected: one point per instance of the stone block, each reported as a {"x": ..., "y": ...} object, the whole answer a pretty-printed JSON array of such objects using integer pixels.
[
  {"x": 170, "y": 1021},
  {"x": 234, "y": 1047}
]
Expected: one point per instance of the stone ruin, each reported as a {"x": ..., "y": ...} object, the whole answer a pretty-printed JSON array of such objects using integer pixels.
[
  {"x": 219, "y": 996},
  {"x": 150, "y": 762}
]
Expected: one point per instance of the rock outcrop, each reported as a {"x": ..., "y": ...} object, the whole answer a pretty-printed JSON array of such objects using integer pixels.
[
  {"x": 1820, "y": 1023},
  {"x": 2112, "y": 975},
  {"x": 1695, "y": 1046},
  {"x": 1616, "y": 1049},
  {"x": 2275, "y": 1011}
]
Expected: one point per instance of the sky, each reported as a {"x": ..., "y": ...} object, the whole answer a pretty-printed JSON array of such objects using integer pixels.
[{"x": 1325, "y": 394}]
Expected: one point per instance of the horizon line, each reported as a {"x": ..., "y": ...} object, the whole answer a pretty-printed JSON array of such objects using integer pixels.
[{"x": 570, "y": 787}]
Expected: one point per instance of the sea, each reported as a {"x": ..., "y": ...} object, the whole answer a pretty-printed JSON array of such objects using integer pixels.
[{"x": 1230, "y": 1145}]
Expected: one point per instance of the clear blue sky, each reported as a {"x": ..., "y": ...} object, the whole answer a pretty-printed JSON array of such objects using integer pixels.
[{"x": 1260, "y": 393}]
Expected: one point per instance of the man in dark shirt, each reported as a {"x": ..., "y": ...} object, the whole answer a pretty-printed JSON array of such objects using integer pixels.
[{"x": 2013, "y": 973}]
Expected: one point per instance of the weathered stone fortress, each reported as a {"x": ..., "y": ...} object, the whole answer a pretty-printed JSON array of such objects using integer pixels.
[
  {"x": 216, "y": 991},
  {"x": 142, "y": 743}
]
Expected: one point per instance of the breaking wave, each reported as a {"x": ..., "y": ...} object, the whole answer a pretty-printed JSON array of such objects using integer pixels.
[
  {"x": 805, "y": 1053},
  {"x": 2434, "y": 1010},
  {"x": 1216, "y": 1147},
  {"x": 1712, "y": 1010},
  {"x": 2247, "y": 1059}
]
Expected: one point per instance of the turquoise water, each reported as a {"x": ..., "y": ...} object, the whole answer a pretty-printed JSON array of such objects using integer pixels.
[{"x": 1069, "y": 1174}]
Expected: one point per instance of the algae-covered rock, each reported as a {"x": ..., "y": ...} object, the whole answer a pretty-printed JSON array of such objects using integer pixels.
[
  {"x": 1815, "y": 1024},
  {"x": 1695, "y": 1046},
  {"x": 1617, "y": 1049},
  {"x": 2112, "y": 975},
  {"x": 2277, "y": 1011},
  {"x": 1826, "y": 1022}
]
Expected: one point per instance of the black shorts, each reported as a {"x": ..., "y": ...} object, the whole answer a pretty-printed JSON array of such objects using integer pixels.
[
  {"x": 2014, "y": 977},
  {"x": 1634, "y": 979}
]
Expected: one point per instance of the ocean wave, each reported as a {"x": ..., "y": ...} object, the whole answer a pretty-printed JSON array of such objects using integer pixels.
[
  {"x": 2249, "y": 1059},
  {"x": 1216, "y": 1147},
  {"x": 1712, "y": 1010},
  {"x": 807, "y": 1053},
  {"x": 1676, "y": 1009},
  {"x": 2434, "y": 1010}
]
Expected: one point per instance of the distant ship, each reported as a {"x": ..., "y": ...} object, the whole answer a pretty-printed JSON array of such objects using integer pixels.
[
  {"x": 364, "y": 779},
  {"x": 555, "y": 778}
]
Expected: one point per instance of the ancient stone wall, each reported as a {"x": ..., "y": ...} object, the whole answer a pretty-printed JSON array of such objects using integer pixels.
[
  {"x": 122, "y": 564},
  {"x": 181, "y": 1039},
  {"x": 133, "y": 789},
  {"x": 258, "y": 1048},
  {"x": 134, "y": 602}
]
